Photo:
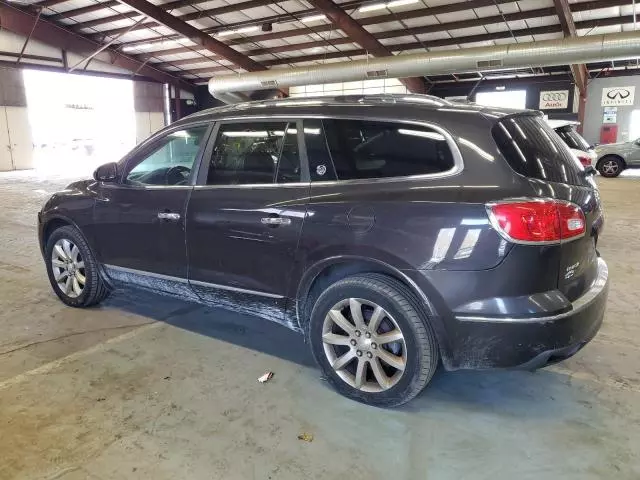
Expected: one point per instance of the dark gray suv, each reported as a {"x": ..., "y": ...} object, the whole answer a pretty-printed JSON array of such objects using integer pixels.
[{"x": 394, "y": 232}]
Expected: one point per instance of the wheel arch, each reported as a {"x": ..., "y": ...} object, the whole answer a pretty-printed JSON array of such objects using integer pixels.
[{"x": 329, "y": 270}]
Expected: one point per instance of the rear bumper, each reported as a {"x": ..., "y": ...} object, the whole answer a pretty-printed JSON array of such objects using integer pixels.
[{"x": 530, "y": 342}]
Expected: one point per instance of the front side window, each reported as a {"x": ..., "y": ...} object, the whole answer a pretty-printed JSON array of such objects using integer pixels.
[
  {"x": 171, "y": 162},
  {"x": 255, "y": 153},
  {"x": 374, "y": 149}
]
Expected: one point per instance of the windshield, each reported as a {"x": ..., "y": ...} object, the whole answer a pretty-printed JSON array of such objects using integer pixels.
[{"x": 572, "y": 138}]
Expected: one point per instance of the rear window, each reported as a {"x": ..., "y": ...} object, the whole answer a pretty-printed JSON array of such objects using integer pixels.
[
  {"x": 374, "y": 149},
  {"x": 534, "y": 150},
  {"x": 572, "y": 138}
]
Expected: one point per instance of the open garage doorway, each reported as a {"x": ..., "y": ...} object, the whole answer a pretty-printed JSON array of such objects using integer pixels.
[{"x": 78, "y": 121}]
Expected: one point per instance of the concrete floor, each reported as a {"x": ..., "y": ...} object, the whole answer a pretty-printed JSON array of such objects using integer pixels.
[{"x": 148, "y": 388}]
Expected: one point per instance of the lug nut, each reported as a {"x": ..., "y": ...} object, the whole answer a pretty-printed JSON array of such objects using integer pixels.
[
  {"x": 359, "y": 353},
  {"x": 368, "y": 335},
  {"x": 369, "y": 355},
  {"x": 358, "y": 333},
  {"x": 374, "y": 345},
  {"x": 353, "y": 342}
]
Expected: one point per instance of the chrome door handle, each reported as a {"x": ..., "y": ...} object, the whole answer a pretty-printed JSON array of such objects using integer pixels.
[
  {"x": 275, "y": 221},
  {"x": 168, "y": 216}
]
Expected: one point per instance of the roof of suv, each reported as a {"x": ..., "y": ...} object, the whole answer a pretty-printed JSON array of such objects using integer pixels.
[{"x": 401, "y": 102}]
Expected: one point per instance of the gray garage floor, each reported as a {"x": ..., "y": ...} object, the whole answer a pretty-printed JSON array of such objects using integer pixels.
[{"x": 147, "y": 388}]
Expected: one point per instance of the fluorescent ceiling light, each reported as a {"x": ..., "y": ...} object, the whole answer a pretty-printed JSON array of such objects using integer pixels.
[
  {"x": 371, "y": 8},
  {"x": 392, "y": 4},
  {"x": 313, "y": 18},
  {"x": 399, "y": 3},
  {"x": 149, "y": 45},
  {"x": 226, "y": 33}
]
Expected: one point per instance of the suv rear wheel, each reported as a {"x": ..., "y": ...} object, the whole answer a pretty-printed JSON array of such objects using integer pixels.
[
  {"x": 371, "y": 342},
  {"x": 72, "y": 269}
]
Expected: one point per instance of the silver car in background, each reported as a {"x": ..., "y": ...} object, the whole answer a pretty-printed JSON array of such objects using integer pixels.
[{"x": 613, "y": 158}]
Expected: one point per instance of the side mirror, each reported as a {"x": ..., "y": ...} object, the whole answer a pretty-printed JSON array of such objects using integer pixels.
[
  {"x": 589, "y": 170},
  {"x": 106, "y": 173}
]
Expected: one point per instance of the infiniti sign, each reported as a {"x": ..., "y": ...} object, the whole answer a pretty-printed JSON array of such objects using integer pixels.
[{"x": 618, "y": 96}]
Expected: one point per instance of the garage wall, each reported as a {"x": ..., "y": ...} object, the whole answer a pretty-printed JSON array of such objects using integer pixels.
[
  {"x": 533, "y": 86},
  {"x": 16, "y": 144},
  {"x": 594, "y": 109}
]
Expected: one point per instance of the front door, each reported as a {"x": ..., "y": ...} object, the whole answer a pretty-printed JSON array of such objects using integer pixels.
[
  {"x": 140, "y": 219},
  {"x": 245, "y": 216}
]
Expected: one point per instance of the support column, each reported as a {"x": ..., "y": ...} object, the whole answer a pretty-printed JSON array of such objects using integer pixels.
[
  {"x": 148, "y": 103},
  {"x": 177, "y": 106},
  {"x": 582, "y": 106}
]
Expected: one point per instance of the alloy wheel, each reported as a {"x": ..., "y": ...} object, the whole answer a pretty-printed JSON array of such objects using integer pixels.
[
  {"x": 364, "y": 345},
  {"x": 67, "y": 266},
  {"x": 610, "y": 167}
]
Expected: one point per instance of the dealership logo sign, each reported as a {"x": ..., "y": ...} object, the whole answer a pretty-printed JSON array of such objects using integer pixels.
[
  {"x": 554, "y": 100},
  {"x": 618, "y": 96}
]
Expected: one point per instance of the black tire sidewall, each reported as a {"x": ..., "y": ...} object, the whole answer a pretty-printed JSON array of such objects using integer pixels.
[
  {"x": 72, "y": 234},
  {"x": 415, "y": 352}
]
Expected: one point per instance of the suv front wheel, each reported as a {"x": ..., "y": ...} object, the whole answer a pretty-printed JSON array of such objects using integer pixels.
[
  {"x": 371, "y": 341},
  {"x": 72, "y": 269}
]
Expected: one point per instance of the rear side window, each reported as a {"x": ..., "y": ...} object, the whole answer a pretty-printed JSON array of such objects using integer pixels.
[
  {"x": 372, "y": 149},
  {"x": 572, "y": 138},
  {"x": 534, "y": 150},
  {"x": 255, "y": 153}
]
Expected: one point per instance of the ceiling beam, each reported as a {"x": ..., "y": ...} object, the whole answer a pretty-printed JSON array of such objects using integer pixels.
[
  {"x": 449, "y": 8},
  {"x": 75, "y": 12},
  {"x": 421, "y": 12},
  {"x": 192, "y": 33},
  {"x": 49, "y": 3},
  {"x": 21, "y": 22},
  {"x": 438, "y": 27},
  {"x": 579, "y": 71},
  {"x": 359, "y": 35},
  {"x": 170, "y": 6}
]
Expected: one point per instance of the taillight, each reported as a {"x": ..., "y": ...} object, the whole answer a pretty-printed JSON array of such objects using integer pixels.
[
  {"x": 537, "y": 221},
  {"x": 585, "y": 161}
]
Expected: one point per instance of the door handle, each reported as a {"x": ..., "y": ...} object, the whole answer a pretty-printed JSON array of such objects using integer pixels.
[
  {"x": 174, "y": 217},
  {"x": 275, "y": 221}
]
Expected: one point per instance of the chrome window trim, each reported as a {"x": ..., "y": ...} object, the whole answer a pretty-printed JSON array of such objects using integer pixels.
[
  {"x": 170, "y": 278},
  {"x": 458, "y": 163}
]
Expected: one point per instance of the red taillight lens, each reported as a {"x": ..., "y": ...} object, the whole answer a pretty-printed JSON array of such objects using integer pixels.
[
  {"x": 537, "y": 221},
  {"x": 585, "y": 161}
]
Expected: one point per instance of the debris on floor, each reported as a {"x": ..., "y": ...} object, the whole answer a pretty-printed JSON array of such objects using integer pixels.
[
  {"x": 266, "y": 377},
  {"x": 305, "y": 437}
]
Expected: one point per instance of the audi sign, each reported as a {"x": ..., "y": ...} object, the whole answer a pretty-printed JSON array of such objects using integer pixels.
[
  {"x": 554, "y": 99},
  {"x": 618, "y": 96}
]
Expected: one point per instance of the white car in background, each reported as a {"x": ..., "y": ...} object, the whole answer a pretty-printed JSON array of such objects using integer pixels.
[{"x": 578, "y": 145}]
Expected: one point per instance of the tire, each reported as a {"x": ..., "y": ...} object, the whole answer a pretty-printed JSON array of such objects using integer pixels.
[
  {"x": 94, "y": 289},
  {"x": 610, "y": 166},
  {"x": 418, "y": 348}
]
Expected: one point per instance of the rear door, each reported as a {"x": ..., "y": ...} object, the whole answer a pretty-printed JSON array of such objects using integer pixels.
[
  {"x": 245, "y": 216},
  {"x": 534, "y": 150}
]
